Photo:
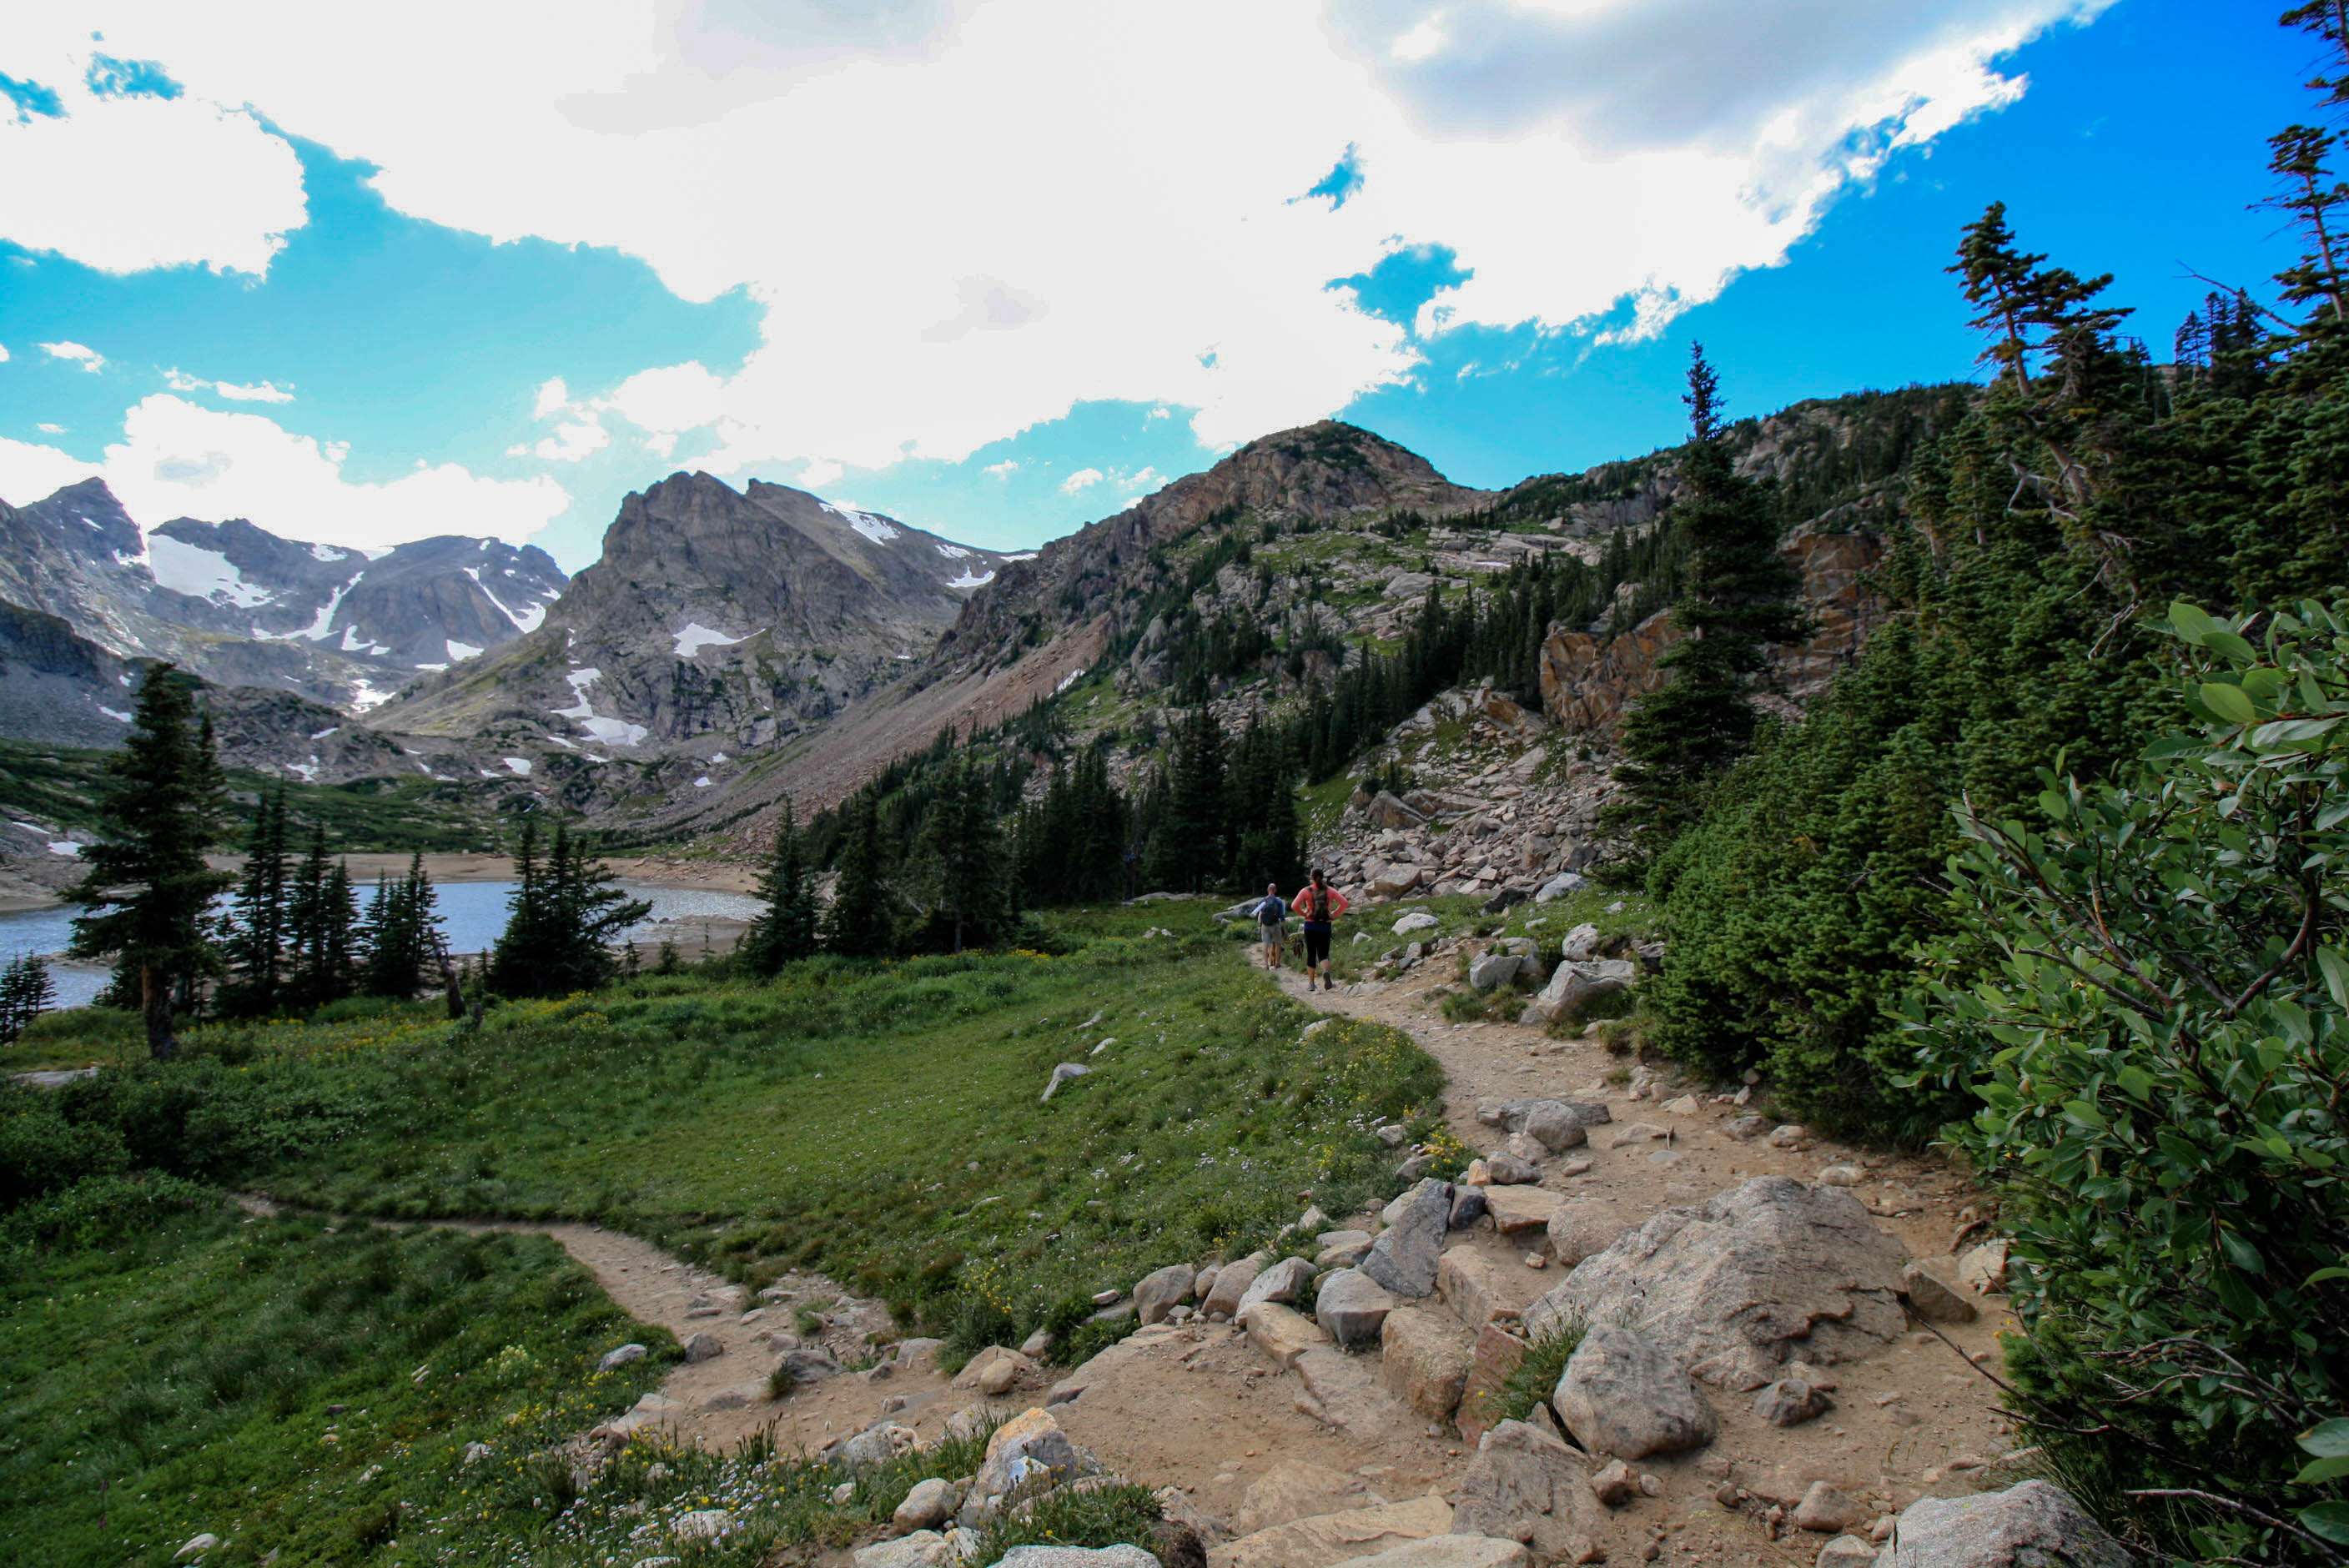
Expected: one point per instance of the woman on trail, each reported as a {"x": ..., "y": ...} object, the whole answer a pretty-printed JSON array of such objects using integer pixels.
[
  {"x": 1317, "y": 904},
  {"x": 1272, "y": 924}
]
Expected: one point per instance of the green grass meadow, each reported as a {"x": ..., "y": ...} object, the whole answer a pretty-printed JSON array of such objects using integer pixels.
[{"x": 172, "y": 1361}]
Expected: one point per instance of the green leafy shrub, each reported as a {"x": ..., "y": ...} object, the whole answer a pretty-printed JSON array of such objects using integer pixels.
[
  {"x": 1118, "y": 1514},
  {"x": 2147, "y": 993}
]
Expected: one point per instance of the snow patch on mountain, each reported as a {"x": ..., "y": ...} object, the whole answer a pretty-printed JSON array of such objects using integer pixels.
[
  {"x": 970, "y": 579},
  {"x": 871, "y": 527},
  {"x": 697, "y": 637},
  {"x": 201, "y": 573}
]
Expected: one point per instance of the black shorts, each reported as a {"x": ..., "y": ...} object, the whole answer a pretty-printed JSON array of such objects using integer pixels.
[{"x": 1317, "y": 944}]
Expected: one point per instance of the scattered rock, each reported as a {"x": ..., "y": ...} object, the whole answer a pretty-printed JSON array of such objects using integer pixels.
[
  {"x": 1790, "y": 1401},
  {"x": 475, "y": 1453},
  {"x": 1393, "y": 1134},
  {"x": 702, "y": 1524},
  {"x": 1352, "y": 1307},
  {"x": 1579, "y": 1231},
  {"x": 2026, "y": 1526},
  {"x": 1470, "y": 1285},
  {"x": 1285, "y": 1281},
  {"x": 1788, "y": 1136},
  {"x": 993, "y": 1371},
  {"x": 703, "y": 1345},
  {"x": 1294, "y": 1490},
  {"x": 1846, "y": 1551},
  {"x": 196, "y": 1546},
  {"x": 1062, "y": 1074},
  {"x": 1745, "y": 1129},
  {"x": 1623, "y": 1394},
  {"x": 1573, "y": 983},
  {"x": 1232, "y": 1282},
  {"x": 810, "y": 1366},
  {"x": 1423, "y": 1361},
  {"x": 923, "y": 1549},
  {"x": 1280, "y": 1333},
  {"x": 620, "y": 1358},
  {"x": 1493, "y": 970},
  {"x": 1108, "y": 1297},
  {"x": 1029, "y": 1445},
  {"x": 877, "y": 1445},
  {"x": 1524, "y": 1485},
  {"x": 1770, "y": 1271},
  {"x": 1417, "y": 920},
  {"x": 1560, "y": 886},
  {"x": 1036, "y": 1345},
  {"x": 1341, "y": 1249},
  {"x": 1984, "y": 1268},
  {"x": 1828, "y": 1511},
  {"x": 1494, "y": 1358},
  {"x": 1468, "y": 1206},
  {"x": 1160, "y": 1291},
  {"x": 1614, "y": 1484},
  {"x": 1403, "y": 1259},
  {"x": 1516, "y": 1209},
  {"x": 1686, "y": 1105},
  {"x": 1556, "y": 1124},
  {"x": 1839, "y": 1176},
  {"x": 1506, "y": 1169},
  {"x": 1929, "y": 1298}
]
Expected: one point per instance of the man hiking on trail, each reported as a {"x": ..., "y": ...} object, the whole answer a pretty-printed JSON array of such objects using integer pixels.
[
  {"x": 1272, "y": 924},
  {"x": 1317, "y": 904}
]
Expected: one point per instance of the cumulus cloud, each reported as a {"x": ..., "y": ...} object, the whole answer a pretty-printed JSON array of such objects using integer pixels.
[
  {"x": 81, "y": 353},
  {"x": 959, "y": 225},
  {"x": 1083, "y": 479},
  {"x": 179, "y": 458},
  {"x": 49, "y": 430},
  {"x": 1002, "y": 470},
  {"x": 178, "y": 380},
  {"x": 127, "y": 174},
  {"x": 4, "y": 354}
]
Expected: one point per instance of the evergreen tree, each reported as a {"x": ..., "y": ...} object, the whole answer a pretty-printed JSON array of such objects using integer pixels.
[
  {"x": 786, "y": 929},
  {"x": 861, "y": 923},
  {"x": 563, "y": 920},
  {"x": 24, "y": 994},
  {"x": 1270, "y": 845},
  {"x": 401, "y": 933},
  {"x": 963, "y": 841},
  {"x": 2315, "y": 199},
  {"x": 146, "y": 883},
  {"x": 1737, "y": 597},
  {"x": 1189, "y": 844},
  {"x": 319, "y": 915},
  {"x": 257, "y": 931}
]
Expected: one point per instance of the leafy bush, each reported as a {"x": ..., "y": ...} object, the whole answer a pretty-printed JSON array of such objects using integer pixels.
[
  {"x": 2147, "y": 994},
  {"x": 1536, "y": 1375},
  {"x": 1120, "y": 1514}
]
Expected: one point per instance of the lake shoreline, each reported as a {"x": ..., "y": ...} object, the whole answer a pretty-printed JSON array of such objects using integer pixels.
[{"x": 707, "y": 876}]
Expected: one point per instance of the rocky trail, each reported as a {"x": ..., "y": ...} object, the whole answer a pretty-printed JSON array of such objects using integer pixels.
[{"x": 1281, "y": 1449}]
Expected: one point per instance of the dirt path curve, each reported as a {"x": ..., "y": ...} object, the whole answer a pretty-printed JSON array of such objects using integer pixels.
[{"x": 1908, "y": 1420}]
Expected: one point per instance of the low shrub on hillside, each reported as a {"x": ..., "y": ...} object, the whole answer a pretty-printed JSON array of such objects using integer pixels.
[{"x": 2146, "y": 996}]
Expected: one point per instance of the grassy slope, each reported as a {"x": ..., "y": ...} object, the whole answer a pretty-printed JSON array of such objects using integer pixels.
[{"x": 258, "y": 1380}]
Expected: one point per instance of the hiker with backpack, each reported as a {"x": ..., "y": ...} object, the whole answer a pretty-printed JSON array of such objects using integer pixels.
[
  {"x": 1317, "y": 904},
  {"x": 1272, "y": 924}
]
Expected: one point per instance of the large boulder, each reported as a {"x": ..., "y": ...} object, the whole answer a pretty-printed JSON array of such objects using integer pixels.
[
  {"x": 1560, "y": 886},
  {"x": 1295, "y": 1489},
  {"x": 1573, "y": 984},
  {"x": 1445, "y": 1551},
  {"x": 929, "y": 1504},
  {"x": 1285, "y": 1281},
  {"x": 1770, "y": 1271},
  {"x": 1471, "y": 1286},
  {"x": 1525, "y": 1485},
  {"x": 1405, "y": 1257},
  {"x": 1623, "y": 1394},
  {"x": 1024, "y": 1450},
  {"x": 1329, "y": 1538},
  {"x": 1424, "y": 1360},
  {"x": 2029, "y": 1525},
  {"x": 1232, "y": 1282},
  {"x": 1077, "y": 1557},
  {"x": 923, "y": 1549},
  {"x": 1280, "y": 1333},
  {"x": 1161, "y": 1291},
  {"x": 1583, "y": 1230},
  {"x": 1493, "y": 970},
  {"x": 1520, "y": 1209},
  {"x": 1395, "y": 882},
  {"x": 1352, "y": 1307}
]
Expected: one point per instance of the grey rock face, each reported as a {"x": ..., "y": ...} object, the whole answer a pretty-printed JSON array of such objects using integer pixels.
[
  {"x": 1405, "y": 1258},
  {"x": 1160, "y": 1291},
  {"x": 1768, "y": 1271},
  {"x": 1351, "y": 1307},
  {"x": 1624, "y": 1395},
  {"x": 2030, "y": 1525},
  {"x": 1525, "y": 1485}
]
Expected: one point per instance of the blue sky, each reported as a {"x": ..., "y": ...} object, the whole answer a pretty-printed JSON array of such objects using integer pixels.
[{"x": 330, "y": 322}]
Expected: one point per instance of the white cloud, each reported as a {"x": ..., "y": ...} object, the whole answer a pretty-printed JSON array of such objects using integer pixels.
[
  {"x": 981, "y": 251},
  {"x": 1002, "y": 470},
  {"x": 49, "y": 430},
  {"x": 1083, "y": 479},
  {"x": 553, "y": 397},
  {"x": 573, "y": 442},
  {"x": 1147, "y": 479},
  {"x": 179, "y": 458},
  {"x": 178, "y": 380},
  {"x": 4, "y": 354},
  {"x": 122, "y": 183},
  {"x": 260, "y": 392},
  {"x": 81, "y": 353}
]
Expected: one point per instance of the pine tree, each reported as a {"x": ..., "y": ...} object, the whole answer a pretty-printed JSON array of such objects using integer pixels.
[
  {"x": 24, "y": 994},
  {"x": 2314, "y": 198},
  {"x": 150, "y": 891},
  {"x": 785, "y": 929},
  {"x": 1190, "y": 843},
  {"x": 1270, "y": 845},
  {"x": 963, "y": 843},
  {"x": 563, "y": 919},
  {"x": 1737, "y": 598},
  {"x": 861, "y": 923},
  {"x": 401, "y": 933},
  {"x": 256, "y": 941}
]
